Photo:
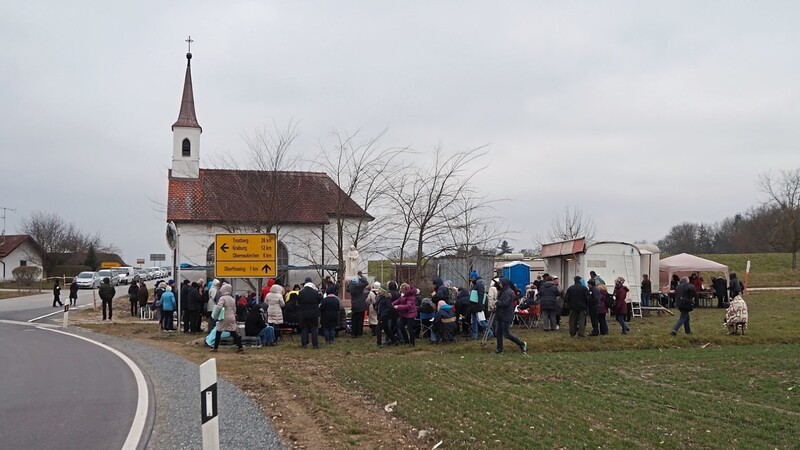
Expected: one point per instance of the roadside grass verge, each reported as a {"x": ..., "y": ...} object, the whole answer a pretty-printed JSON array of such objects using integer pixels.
[
  {"x": 13, "y": 294},
  {"x": 646, "y": 389}
]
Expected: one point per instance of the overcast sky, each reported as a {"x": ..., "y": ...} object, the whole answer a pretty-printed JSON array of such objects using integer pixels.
[{"x": 641, "y": 114}]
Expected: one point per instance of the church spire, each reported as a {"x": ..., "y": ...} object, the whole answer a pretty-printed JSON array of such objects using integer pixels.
[{"x": 187, "y": 117}]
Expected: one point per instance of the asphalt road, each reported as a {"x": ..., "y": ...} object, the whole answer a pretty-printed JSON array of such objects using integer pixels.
[
  {"x": 60, "y": 391},
  {"x": 24, "y": 309}
]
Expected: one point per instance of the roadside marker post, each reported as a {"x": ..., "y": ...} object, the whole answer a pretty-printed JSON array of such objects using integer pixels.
[
  {"x": 94, "y": 300},
  {"x": 208, "y": 404},
  {"x": 66, "y": 316}
]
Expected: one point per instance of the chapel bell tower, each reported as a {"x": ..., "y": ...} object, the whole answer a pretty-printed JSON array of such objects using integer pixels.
[{"x": 186, "y": 131}]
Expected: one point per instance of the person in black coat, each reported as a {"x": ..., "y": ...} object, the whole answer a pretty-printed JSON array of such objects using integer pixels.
[
  {"x": 57, "y": 294},
  {"x": 358, "y": 298},
  {"x": 308, "y": 300},
  {"x": 329, "y": 314},
  {"x": 106, "y": 293},
  {"x": 133, "y": 296},
  {"x": 685, "y": 294},
  {"x": 735, "y": 287},
  {"x": 254, "y": 325},
  {"x": 464, "y": 311},
  {"x": 504, "y": 315},
  {"x": 73, "y": 293},
  {"x": 548, "y": 299},
  {"x": 577, "y": 297},
  {"x": 387, "y": 315},
  {"x": 720, "y": 290},
  {"x": 194, "y": 308}
]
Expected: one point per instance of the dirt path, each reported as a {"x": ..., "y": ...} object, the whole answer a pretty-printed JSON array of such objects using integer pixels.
[{"x": 308, "y": 406}]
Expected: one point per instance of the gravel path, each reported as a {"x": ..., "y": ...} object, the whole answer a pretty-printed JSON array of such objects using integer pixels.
[{"x": 176, "y": 389}]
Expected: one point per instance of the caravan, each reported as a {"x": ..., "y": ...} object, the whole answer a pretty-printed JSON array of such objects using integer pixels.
[{"x": 610, "y": 260}]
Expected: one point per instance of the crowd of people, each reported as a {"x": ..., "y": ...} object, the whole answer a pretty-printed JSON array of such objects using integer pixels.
[{"x": 400, "y": 314}]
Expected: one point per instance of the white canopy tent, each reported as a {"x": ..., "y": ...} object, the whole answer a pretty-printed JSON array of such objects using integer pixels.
[{"x": 685, "y": 264}]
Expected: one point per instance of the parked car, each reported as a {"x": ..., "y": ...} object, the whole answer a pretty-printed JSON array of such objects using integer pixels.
[
  {"x": 126, "y": 274},
  {"x": 114, "y": 278},
  {"x": 88, "y": 280},
  {"x": 143, "y": 275}
]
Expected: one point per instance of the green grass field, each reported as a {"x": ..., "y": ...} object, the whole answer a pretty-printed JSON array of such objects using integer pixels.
[
  {"x": 646, "y": 389},
  {"x": 766, "y": 269},
  {"x": 676, "y": 392}
]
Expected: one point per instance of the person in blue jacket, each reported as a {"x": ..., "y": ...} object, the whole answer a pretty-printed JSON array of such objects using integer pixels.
[{"x": 167, "y": 309}]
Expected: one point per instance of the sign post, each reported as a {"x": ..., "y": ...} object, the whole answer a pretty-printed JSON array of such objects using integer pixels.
[
  {"x": 746, "y": 273},
  {"x": 66, "y": 316},
  {"x": 172, "y": 242},
  {"x": 208, "y": 404},
  {"x": 245, "y": 255}
]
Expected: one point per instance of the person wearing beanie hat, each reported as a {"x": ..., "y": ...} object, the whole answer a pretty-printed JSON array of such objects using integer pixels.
[
  {"x": 167, "y": 309},
  {"x": 107, "y": 293},
  {"x": 329, "y": 314},
  {"x": 577, "y": 299}
]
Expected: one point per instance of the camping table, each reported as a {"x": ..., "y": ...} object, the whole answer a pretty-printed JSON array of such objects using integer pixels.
[{"x": 705, "y": 298}]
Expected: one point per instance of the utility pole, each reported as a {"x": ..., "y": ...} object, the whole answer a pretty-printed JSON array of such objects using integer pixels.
[{"x": 5, "y": 212}]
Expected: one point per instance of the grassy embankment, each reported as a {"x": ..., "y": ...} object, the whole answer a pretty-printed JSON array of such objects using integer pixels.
[
  {"x": 766, "y": 269},
  {"x": 643, "y": 390}
]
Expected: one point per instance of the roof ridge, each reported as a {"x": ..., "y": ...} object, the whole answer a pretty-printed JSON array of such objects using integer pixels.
[{"x": 297, "y": 172}]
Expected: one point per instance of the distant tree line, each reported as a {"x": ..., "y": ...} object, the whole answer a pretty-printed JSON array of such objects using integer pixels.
[
  {"x": 59, "y": 238},
  {"x": 773, "y": 226}
]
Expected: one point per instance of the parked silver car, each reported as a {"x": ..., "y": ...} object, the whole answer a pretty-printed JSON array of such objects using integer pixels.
[
  {"x": 88, "y": 280},
  {"x": 114, "y": 278}
]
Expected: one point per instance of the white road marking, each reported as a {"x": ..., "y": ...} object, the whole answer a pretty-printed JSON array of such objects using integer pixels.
[{"x": 60, "y": 311}]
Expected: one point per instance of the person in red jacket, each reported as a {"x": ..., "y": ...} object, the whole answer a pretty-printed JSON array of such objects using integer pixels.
[{"x": 620, "y": 305}]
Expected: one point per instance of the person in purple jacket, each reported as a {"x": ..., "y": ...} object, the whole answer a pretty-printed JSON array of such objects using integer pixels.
[{"x": 406, "y": 306}]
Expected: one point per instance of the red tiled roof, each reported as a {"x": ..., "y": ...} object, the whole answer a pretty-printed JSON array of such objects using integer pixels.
[
  {"x": 221, "y": 195},
  {"x": 186, "y": 116},
  {"x": 10, "y": 242}
]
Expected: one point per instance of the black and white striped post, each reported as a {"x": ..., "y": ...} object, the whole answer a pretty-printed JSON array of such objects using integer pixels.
[
  {"x": 208, "y": 404},
  {"x": 66, "y": 317}
]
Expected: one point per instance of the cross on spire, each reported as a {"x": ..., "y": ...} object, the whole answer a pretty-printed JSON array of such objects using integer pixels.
[{"x": 189, "y": 41}]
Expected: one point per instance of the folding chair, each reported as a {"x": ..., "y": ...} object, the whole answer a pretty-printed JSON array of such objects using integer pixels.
[
  {"x": 284, "y": 329},
  {"x": 425, "y": 327},
  {"x": 145, "y": 313},
  {"x": 448, "y": 335}
]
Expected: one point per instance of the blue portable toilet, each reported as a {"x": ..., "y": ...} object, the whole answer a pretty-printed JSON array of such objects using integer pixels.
[{"x": 519, "y": 273}]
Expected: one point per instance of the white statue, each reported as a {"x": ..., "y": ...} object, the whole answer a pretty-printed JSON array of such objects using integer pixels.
[{"x": 351, "y": 266}]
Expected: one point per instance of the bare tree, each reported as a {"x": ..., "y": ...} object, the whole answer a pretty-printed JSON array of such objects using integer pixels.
[
  {"x": 252, "y": 184},
  {"x": 783, "y": 193},
  {"x": 472, "y": 231},
  {"x": 433, "y": 194},
  {"x": 56, "y": 236},
  {"x": 365, "y": 171},
  {"x": 573, "y": 224}
]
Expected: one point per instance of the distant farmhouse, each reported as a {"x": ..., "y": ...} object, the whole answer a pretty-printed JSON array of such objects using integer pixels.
[
  {"x": 18, "y": 250},
  {"x": 204, "y": 202}
]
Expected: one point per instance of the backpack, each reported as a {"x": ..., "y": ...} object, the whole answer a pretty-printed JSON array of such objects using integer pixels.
[{"x": 610, "y": 301}]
